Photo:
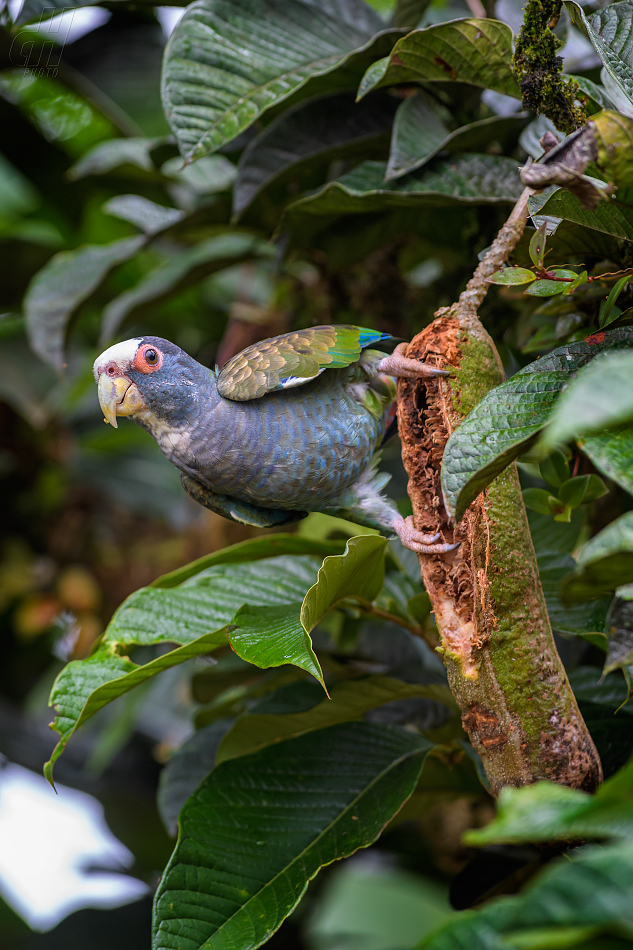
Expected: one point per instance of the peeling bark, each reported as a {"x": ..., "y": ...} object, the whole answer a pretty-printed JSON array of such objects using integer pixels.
[{"x": 503, "y": 667}]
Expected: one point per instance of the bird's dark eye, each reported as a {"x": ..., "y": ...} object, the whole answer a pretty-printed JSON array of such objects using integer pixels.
[{"x": 151, "y": 357}]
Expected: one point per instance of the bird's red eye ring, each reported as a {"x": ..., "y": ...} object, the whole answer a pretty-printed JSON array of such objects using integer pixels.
[{"x": 148, "y": 359}]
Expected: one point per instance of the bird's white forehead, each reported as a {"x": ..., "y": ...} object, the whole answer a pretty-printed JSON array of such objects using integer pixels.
[{"x": 120, "y": 353}]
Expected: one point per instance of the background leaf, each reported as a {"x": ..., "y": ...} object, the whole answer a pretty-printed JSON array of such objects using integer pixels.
[
  {"x": 599, "y": 397},
  {"x": 467, "y": 179},
  {"x": 306, "y": 139},
  {"x": 604, "y": 563},
  {"x": 408, "y": 13},
  {"x": 471, "y": 51},
  {"x": 545, "y": 812},
  {"x": 124, "y": 155},
  {"x": 619, "y": 630},
  {"x": 553, "y": 909},
  {"x": 42, "y": 10},
  {"x": 349, "y": 700},
  {"x": 260, "y": 827},
  {"x": 579, "y": 620},
  {"x": 66, "y": 282},
  {"x": 186, "y": 768},
  {"x": 358, "y": 573},
  {"x": 229, "y": 61},
  {"x": 254, "y": 549},
  {"x": 420, "y": 131},
  {"x": 611, "y": 216},
  {"x": 609, "y": 31},
  {"x": 182, "y": 270},
  {"x": 612, "y": 454},
  {"x": 194, "y": 615},
  {"x": 144, "y": 214}
]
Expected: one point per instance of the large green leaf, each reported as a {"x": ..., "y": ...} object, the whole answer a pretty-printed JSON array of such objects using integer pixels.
[
  {"x": 358, "y": 573},
  {"x": 210, "y": 599},
  {"x": 471, "y": 51},
  {"x": 611, "y": 452},
  {"x": 306, "y": 139},
  {"x": 62, "y": 285},
  {"x": 229, "y": 61},
  {"x": 349, "y": 699},
  {"x": 574, "y": 899},
  {"x": 85, "y": 686},
  {"x": 611, "y": 216},
  {"x": 510, "y": 416},
  {"x": 610, "y": 32},
  {"x": 255, "y": 549},
  {"x": 276, "y": 635},
  {"x": 182, "y": 270},
  {"x": 466, "y": 179},
  {"x": 419, "y": 132},
  {"x": 604, "y": 563},
  {"x": 600, "y": 396},
  {"x": 497, "y": 431},
  {"x": 132, "y": 155},
  {"x": 260, "y": 827},
  {"x": 194, "y": 615},
  {"x": 546, "y": 812}
]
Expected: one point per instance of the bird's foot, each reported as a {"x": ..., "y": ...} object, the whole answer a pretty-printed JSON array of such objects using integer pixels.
[
  {"x": 419, "y": 542},
  {"x": 400, "y": 365}
]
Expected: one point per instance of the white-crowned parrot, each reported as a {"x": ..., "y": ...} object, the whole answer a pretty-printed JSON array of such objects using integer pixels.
[{"x": 290, "y": 425}]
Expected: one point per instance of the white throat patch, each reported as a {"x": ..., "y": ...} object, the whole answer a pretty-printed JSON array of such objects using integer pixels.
[{"x": 120, "y": 353}]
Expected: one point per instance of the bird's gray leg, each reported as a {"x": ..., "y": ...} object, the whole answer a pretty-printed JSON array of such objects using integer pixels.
[
  {"x": 399, "y": 365},
  {"x": 239, "y": 511},
  {"x": 417, "y": 541}
]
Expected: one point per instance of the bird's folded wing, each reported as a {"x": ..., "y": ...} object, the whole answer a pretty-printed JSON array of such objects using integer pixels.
[{"x": 292, "y": 359}]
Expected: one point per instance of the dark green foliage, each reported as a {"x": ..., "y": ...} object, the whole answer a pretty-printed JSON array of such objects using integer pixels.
[{"x": 306, "y": 662}]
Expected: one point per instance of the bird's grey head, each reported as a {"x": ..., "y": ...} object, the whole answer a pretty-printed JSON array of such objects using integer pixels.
[{"x": 149, "y": 379}]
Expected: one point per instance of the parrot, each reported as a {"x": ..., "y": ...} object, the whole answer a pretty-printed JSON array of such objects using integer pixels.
[{"x": 290, "y": 425}]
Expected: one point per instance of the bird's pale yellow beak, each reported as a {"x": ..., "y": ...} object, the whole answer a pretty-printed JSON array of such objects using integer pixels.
[{"x": 118, "y": 397}]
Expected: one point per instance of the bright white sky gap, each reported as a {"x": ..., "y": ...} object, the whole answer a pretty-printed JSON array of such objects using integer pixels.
[{"x": 46, "y": 841}]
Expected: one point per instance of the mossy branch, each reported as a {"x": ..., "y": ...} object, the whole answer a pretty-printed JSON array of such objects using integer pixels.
[
  {"x": 540, "y": 71},
  {"x": 503, "y": 667}
]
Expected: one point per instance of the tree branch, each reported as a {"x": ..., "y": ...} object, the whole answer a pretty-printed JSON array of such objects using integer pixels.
[{"x": 503, "y": 667}]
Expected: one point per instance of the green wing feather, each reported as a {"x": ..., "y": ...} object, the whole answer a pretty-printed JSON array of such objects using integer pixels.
[{"x": 292, "y": 359}]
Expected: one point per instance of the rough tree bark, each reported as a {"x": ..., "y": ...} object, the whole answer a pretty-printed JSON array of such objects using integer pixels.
[{"x": 503, "y": 667}]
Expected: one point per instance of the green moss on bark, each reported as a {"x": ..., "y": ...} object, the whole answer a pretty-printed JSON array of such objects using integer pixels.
[
  {"x": 540, "y": 71},
  {"x": 497, "y": 644}
]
